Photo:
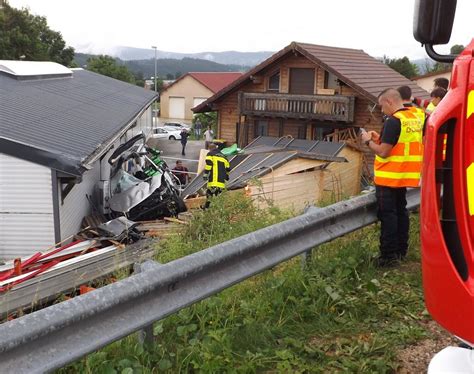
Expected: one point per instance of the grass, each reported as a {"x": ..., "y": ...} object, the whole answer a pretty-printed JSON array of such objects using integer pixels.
[{"x": 337, "y": 314}]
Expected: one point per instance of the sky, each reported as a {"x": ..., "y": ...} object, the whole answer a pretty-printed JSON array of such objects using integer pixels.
[{"x": 379, "y": 27}]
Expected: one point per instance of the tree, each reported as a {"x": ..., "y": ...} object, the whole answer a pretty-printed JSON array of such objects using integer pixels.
[
  {"x": 402, "y": 65},
  {"x": 456, "y": 49},
  {"x": 25, "y": 36},
  {"x": 107, "y": 65},
  {"x": 207, "y": 119}
]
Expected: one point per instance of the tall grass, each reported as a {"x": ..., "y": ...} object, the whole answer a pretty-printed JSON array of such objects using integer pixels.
[{"x": 337, "y": 314}]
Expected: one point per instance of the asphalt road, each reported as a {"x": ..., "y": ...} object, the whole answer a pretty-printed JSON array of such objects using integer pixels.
[{"x": 172, "y": 149}]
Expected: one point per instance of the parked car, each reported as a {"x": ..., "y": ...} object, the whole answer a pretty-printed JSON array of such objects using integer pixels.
[
  {"x": 166, "y": 133},
  {"x": 142, "y": 186},
  {"x": 176, "y": 126}
]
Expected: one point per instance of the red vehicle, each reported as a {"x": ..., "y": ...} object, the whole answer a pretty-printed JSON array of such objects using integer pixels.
[{"x": 447, "y": 203}]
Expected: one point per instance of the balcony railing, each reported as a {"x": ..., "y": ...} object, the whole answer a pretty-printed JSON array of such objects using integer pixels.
[{"x": 318, "y": 107}]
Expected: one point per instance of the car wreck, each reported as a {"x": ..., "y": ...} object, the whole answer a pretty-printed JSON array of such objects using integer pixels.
[{"x": 142, "y": 186}]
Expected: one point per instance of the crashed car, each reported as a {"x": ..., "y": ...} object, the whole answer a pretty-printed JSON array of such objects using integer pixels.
[{"x": 142, "y": 186}]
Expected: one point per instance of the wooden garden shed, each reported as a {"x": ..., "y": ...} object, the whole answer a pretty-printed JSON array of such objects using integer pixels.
[{"x": 292, "y": 173}]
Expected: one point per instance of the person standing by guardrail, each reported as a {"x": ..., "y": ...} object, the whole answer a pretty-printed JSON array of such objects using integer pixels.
[
  {"x": 398, "y": 160},
  {"x": 216, "y": 173}
]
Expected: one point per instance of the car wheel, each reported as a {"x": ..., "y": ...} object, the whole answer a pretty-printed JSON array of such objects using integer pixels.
[{"x": 172, "y": 137}]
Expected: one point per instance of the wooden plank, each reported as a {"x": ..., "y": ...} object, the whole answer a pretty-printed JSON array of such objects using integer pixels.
[
  {"x": 175, "y": 220},
  {"x": 294, "y": 166}
]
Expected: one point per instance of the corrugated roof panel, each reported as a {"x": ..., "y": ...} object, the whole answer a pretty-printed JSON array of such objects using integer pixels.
[
  {"x": 263, "y": 140},
  {"x": 301, "y": 144},
  {"x": 269, "y": 161},
  {"x": 250, "y": 162},
  {"x": 327, "y": 148},
  {"x": 68, "y": 116}
]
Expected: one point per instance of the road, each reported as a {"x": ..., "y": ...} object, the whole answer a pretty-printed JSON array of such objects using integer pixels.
[{"x": 172, "y": 149}]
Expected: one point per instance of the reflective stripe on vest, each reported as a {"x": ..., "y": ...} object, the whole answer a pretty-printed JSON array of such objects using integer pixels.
[
  {"x": 402, "y": 167},
  {"x": 214, "y": 164}
]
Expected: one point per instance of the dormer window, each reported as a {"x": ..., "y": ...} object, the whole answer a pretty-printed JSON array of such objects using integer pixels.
[{"x": 274, "y": 82}]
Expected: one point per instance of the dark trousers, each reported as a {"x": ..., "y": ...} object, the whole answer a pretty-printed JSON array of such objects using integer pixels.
[
  {"x": 393, "y": 216},
  {"x": 210, "y": 192},
  {"x": 182, "y": 151}
]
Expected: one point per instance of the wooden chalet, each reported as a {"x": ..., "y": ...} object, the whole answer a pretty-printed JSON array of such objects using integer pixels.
[{"x": 306, "y": 91}]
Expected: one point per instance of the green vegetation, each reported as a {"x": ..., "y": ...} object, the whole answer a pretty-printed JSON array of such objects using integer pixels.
[
  {"x": 338, "y": 314},
  {"x": 167, "y": 68},
  {"x": 25, "y": 36},
  {"x": 402, "y": 65},
  {"x": 107, "y": 65}
]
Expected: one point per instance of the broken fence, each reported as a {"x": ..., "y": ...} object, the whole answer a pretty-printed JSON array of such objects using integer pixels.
[{"x": 55, "y": 336}]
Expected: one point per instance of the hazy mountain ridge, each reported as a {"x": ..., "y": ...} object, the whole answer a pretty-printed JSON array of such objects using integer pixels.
[
  {"x": 167, "y": 66},
  {"x": 226, "y": 58}
]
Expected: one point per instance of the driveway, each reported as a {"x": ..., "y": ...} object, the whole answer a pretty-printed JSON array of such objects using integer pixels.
[{"x": 172, "y": 149}]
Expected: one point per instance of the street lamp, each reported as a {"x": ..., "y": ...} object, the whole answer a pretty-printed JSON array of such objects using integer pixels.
[{"x": 154, "y": 47}]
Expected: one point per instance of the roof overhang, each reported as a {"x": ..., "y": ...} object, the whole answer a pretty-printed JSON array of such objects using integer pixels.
[{"x": 42, "y": 157}]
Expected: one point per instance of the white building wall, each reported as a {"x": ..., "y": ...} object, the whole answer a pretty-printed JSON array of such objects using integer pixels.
[
  {"x": 26, "y": 208},
  {"x": 76, "y": 205}
]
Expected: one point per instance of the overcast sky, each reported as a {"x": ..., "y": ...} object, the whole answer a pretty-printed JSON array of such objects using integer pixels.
[{"x": 379, "y": 27}]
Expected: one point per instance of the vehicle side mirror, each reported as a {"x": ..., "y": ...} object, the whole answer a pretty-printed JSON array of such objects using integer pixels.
[{"x": 433, "y": 21}]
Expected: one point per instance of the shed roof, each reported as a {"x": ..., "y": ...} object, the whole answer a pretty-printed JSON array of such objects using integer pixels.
[
  {"x": 360, "y": 71},
  {"x": 65, "y": 123},
  {"x": 266, "y": 154}
]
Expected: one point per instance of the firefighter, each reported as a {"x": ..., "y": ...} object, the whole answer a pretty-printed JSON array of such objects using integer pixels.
[
  {"x": 405, "y": 93},
  {"x": 216, "y": 173},
  {"x": 398, "y": 158}
]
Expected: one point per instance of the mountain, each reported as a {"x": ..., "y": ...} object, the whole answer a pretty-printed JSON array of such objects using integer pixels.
[
  {"x": 130, "y": 53},
  {"x": 168, "y": 66},
  {"x": 423, "y": 64}
]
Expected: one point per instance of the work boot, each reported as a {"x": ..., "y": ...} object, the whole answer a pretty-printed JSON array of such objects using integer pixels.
[{"x": 386, "y": 262}]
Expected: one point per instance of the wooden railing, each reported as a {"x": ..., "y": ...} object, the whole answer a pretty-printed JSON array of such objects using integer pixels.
[{"x": 320, "y": 107}]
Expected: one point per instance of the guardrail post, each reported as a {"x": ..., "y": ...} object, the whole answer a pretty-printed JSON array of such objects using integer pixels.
[
  {"x": 145, "y": 335},
  {"x": 306, "y": 256}
]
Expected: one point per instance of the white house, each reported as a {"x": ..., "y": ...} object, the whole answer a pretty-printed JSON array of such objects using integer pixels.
[{"x": 57, "y": 128}]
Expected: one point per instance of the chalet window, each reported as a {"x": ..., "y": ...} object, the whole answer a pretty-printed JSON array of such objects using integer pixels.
[
  {"x": 330, "y": 80},
  {"x": 274, "y": 82},
  {"x": 260, "y": 128},
  {"x": 301, "y": 132},
  {"x": 301, "y": 81}
]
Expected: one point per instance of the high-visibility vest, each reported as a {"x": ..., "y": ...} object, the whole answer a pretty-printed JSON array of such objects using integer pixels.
[
  {"x": 402, "y": 167},
  {"x": 420, "y": 113},
  {"x": 430, "y": 108},
  {"x": 217, "y": 168}
]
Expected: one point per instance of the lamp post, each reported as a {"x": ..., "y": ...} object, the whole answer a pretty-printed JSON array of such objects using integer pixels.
[
  {"x": 156, "y": 111},
  {"x": 154, "y": 47}
]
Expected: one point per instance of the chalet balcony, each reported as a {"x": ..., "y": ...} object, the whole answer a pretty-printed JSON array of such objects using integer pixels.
[{"x": 312, "y": 107}]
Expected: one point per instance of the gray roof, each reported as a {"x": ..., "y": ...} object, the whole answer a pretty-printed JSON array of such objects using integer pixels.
[
  {"x": 266, "y": 154},
  {"x": 62, "y": 122}
]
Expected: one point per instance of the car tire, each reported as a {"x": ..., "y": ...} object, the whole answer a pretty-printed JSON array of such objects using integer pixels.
[{"x": 172, "y": 137}]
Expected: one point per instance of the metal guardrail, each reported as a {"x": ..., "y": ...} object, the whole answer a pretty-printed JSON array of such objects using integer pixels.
[{"x": 57, "y": 335}]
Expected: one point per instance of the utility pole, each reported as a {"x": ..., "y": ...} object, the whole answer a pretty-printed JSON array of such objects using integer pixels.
[
  {"x": 156, "y": 111},
  {"x": 154, "y": 47}
]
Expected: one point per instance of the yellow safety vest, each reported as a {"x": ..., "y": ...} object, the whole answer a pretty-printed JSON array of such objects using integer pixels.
[
  {"x": 402, "y": 167},
  {"x": 430, "y": 108},
  {"x": 217, "y": 168}
]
